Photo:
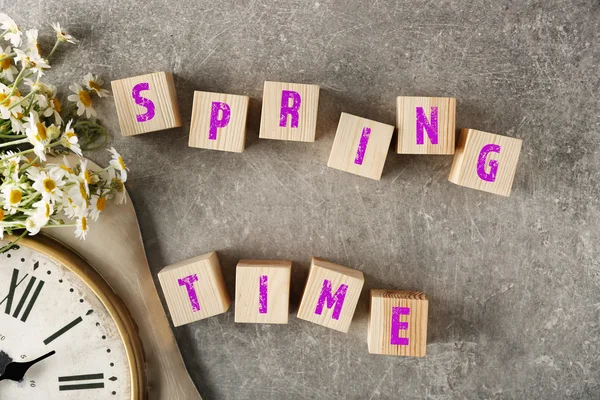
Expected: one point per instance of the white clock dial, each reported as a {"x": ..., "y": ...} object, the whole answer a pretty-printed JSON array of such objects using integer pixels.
[{"x": 44, "y": 307}]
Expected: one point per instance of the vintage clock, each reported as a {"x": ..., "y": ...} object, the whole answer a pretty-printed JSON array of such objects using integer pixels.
[{"x": 55, "y": 308}]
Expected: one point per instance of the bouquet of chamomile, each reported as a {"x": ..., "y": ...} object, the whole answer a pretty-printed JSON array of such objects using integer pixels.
[{"x": 35, "y": 123}]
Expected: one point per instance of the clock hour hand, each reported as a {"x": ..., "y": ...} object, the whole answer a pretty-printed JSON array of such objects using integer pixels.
[{"x": 15, "y": 371}]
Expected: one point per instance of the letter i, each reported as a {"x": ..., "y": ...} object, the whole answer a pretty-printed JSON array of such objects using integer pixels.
[{"x": 262, "y": 294}]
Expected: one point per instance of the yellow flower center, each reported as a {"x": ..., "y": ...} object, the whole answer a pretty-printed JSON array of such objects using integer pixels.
[
  {"x": 94, "y": 85},
  {"x": 49, "y": 185},
  {"x": 64, "y": 167},
  {"x": 47, "y": 210},
  {"x": 15, "y": 196},
  {"x": 84, "y": 98},
  {"x": 84, "y": 224},
  {"x": 1, "y": 215},
  {"x": 56, "y": 105},
  {"x": 41, "y": 130},
  {"x": 117, "y": 184},
  {"x": 101, "y": 203},
  {"x": 3, "y": 97},
  {"x": 88, "y": 176},
  {"x": 82, "y": 190},
  {"x": 70, "y": 134},
  {"x": 6, "y": 63},
  {"x": 122, "y": 163}
]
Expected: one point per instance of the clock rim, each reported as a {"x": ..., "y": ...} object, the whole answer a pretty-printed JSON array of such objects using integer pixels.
[{"x": 128, "y": 330}]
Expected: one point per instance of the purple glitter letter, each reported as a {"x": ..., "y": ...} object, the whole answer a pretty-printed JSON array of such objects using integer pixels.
[
  {"x": 188, "y": 282},
  {"x": 362, "y": 145},
  {"x": 337, "y": 299},
  {"x": 286, "y": 108},
  {"x": 424, "y": 125},
  {"x": 144, "y": 102},
  {"x": 398, "y": 326},
  {"x": 488, "y": 148},
  {"x": 262, "y": 294},
  {"x": 215, "y": 121}
]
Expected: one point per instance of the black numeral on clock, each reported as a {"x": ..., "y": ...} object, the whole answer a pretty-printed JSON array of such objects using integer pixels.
[
  {"x": 81, "y": 382},
  {"x": 25, "y": 303},
  {"x": 62, "y": 330}
]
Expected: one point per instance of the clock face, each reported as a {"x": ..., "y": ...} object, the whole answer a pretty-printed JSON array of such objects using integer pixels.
[{"x": 46, "y": 307}]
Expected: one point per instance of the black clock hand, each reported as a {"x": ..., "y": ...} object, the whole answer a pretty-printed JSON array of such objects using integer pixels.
[{"x": 15, "y": 371}]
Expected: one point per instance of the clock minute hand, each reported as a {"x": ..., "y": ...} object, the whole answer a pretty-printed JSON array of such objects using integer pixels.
[{"x": 15, "y": 371}]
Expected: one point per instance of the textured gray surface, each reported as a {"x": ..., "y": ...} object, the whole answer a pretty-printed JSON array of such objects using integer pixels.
[{"x": 514, "y": 283}]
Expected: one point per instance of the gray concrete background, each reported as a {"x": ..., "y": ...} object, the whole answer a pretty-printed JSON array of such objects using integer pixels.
[{"x": 514, "y": 283}]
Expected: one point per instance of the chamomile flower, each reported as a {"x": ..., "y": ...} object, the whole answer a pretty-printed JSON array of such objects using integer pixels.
[
  {"x": 11, "y": 164},
  {"x": 42, "y": 211},
  {"x": 33, "y": 225},
  {"x": 13, "y": 33},
  {"x": 71, "y": 209},
  {"x": 32, "y": 46},
  {"x": 37, "y": 134},
  {"x": 94, "y": 83},
  {"x": 48, "y": 183},
  {"x": 61, "y": 35},
  {"x": 7, "y": 65},
  {"x": 83, "y": 99},
  {"x": 118, "y": 187},
  {"x": 79, "y": 192},
  {"x": 97, "y": 205},
  {"x": 12, "y": 196},
  {"x": 70, "y": 140},
  {"x": 32, "y": 61},
  {"x": 118, "y": 164},
  {"x": 81, "y": 228}
]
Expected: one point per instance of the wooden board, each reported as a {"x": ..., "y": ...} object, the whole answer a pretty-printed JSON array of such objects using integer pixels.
[
  {"x": 194, "y": 289},
  {"x": 360, "y": 146},
  {"x": 485, "y": 161},
  {"x": 219, "y": 121},
  {"x": 426, "y": 125},
  {"x": 398, "y": 323},
  {"x": 115, "y": 248},
  {"x": 289, "y": 111},
  {"x": 330, "y": 295},
  {"x": 262, "y": 291},
  {"x": 146, "y": 103}
]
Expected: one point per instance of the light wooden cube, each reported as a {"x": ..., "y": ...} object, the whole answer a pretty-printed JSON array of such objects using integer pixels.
[
  {"x": 194, "y": 289},
  {"x": 219, "y": 121},
  {"x": 289, "y": 111},
  {"x": 426, "y": 125},
  {"x": 360, "y": 146},
  {"x": 330, "y": 295},
  {"x": 262, "y": 291},
  {"x": 485, "y": 161},
  {"x": 398, "y": 323},
  {"x": 146, "y": 103}
]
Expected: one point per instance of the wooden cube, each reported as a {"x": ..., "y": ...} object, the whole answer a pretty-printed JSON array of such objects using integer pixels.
[
  {"x": 360, "y": 146},
  {"x": 194, "y": 289},
  {"x": 330, "y": 295},
  {"x": 146, "y": 103},
  {"x": 398, "y": 323},
  {"x": 289, "y": 111},
  {"x": 426, "y": 125},
  {"x": 219, "y": 121},
  {"x": 262, "y": 291},
  {"x": 485, "y": 161}
]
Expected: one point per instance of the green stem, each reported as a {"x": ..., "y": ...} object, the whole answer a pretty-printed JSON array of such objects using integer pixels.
[
  {"x": 22, "y": 100},
  {"x": 14, "y": 87},
  {"x": 11, "y": 244},
  {"x": 12, "y": 136},
  {"x": 12, "y": 143},
  {"x": 53, "y": 49}
]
